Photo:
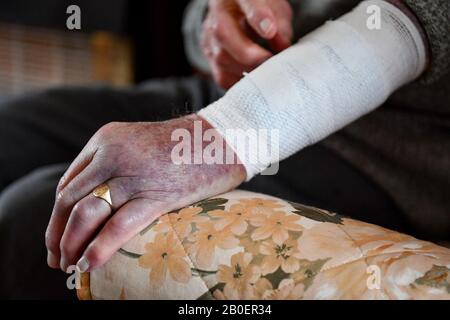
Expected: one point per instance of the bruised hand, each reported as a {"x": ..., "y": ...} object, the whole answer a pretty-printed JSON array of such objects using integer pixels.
[{"x": 135, "y": 160}]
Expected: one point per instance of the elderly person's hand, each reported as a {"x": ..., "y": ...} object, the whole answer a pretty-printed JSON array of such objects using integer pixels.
[
  {"x": 134, "y": 160},
  {"x": 230, "y": 32}
]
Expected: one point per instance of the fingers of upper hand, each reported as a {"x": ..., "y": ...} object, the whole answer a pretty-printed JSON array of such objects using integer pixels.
[
  {"x": 228, "y": 49},
  {"x": 86, "y": 217},
  {"x": 89, "y": 214},
  {"x": 89, "y": 170}
]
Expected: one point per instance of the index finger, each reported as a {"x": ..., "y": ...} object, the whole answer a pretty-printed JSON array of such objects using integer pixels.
[{"x": 87, "y": 178}]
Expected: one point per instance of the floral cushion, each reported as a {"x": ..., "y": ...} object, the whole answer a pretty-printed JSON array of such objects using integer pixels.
[{"x": 245, "y": 245}]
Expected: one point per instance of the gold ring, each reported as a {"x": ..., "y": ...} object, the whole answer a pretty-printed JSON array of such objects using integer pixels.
[{"x": 103, "y": 192}]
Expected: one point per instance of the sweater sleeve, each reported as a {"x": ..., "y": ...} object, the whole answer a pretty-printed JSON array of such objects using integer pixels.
[
  {"x": 192, "y": 27},
  {"x": 435, "y": 19}
]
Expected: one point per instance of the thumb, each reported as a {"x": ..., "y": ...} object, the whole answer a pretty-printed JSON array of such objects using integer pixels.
[{"x": 260, "y": 17}]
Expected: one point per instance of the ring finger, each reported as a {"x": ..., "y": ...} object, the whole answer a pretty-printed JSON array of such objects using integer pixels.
[{"x": 86, "y": 218}]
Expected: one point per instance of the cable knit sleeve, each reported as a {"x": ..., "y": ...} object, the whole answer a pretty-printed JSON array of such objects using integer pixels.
[
  {"x": 192, "y": 27},
  {"x": 435, "y": 19}
]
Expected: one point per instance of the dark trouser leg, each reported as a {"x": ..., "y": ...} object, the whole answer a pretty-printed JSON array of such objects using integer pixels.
[
  {"x": 25, "y": 208},
  {"x": 52, "y": 126},
  {"x": 317, "y": 176}
]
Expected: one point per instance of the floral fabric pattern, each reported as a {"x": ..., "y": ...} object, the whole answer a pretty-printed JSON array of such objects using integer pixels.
[{"x": 244, "y": 245}]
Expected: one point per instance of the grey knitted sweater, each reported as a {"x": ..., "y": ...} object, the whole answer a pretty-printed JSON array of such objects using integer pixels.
[{"x": 404, "y": 145}]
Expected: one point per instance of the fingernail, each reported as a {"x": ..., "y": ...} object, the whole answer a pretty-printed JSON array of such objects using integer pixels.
[
  {"x": 265, "y": 25},
  {"x": 51, "y": 260},
  {"x": 83, "y": 264}
]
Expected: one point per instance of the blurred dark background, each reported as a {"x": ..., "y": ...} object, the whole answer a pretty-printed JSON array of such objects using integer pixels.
[{"x": 120, "y": 42}]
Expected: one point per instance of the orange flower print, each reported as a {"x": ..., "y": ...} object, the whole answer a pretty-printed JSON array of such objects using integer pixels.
[
  {"x": 287, "y": 290},
  {"x": 260, "y": 205},
  {"x": 283, "y": 255},
  {"x": 249, "y": 245},
  {"x": 206, "y": 239},
  {"x": 180, "y": 222},
  {"x": 275, "y": 225},
  {"x": 261, "y": 286},
  {"x": 235, "y": 218},
  {"x": 165, "y": 254},
  {"x": 239, "y": 277}
]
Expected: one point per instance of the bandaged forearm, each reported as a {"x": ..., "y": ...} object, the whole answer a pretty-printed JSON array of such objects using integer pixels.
[{"x": 331, "y": 77}]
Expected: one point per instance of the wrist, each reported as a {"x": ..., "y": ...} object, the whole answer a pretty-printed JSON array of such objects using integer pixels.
[{"x": 196, "y": 145}]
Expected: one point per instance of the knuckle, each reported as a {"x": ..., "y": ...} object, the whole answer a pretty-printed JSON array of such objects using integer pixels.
[
  {"x": 118, "y": 226},
  {"x": 59, "y": 196},
  {"x": 61, "y": 183},
  {"x": 93, "y": 255},
  {"x": 65, "y": 249},
  {"x": 62, "y": 200},
  {"x": 107, "y": 128},
  {"x": 51, "y": 244},
  {"x": 112, "y": 125},
  {"x": 81, "y": 214},
  {"x": 220, "y": 31},
  {"x": 259, "y": 13}
]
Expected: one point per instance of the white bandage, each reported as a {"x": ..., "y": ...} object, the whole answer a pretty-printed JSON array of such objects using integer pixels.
[{"x": 331, "y": 77}]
